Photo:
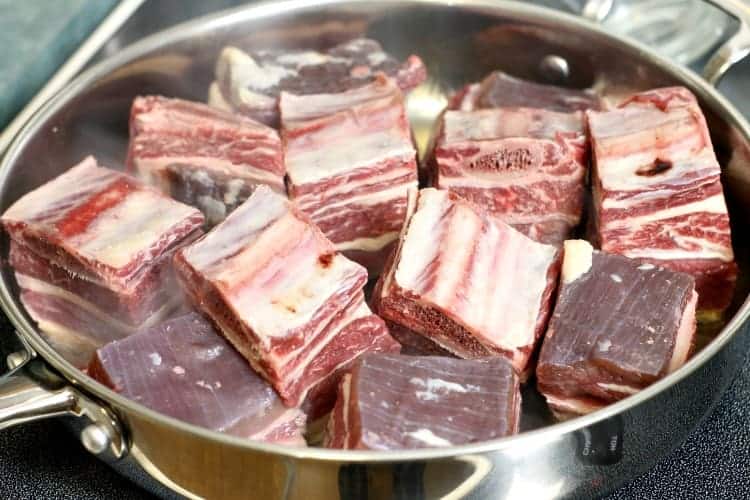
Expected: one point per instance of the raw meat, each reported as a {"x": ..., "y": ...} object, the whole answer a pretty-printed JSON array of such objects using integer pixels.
[
  {"x": 184, "y": 369},
  {"x": 202, "y": 156},
  {"x": 278, "y": 291},
  {"x": 657, "y": 191},
  {"x": 250, "y": 83},
  {"x": 499, "y": 89},
  {"x": 467, "y": 281},
  {"x": 526, "y": 165},
  {"x": 395, "y": 402},
  {"x": 101, "y": 225},
  {"x": 350, "y": 162},
  {"x": 618, "y": 326},
  {"x": 91, "y": 251}
]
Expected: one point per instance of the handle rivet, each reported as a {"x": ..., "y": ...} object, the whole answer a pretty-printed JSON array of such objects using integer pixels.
[
  {"x": 554, "y": 69},
  {"x": 15, "y": 359},
  {"x": 95, "y": 439}
]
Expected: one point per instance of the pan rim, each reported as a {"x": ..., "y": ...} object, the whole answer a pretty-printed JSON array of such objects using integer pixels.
[{"x": 270, "y": 9}]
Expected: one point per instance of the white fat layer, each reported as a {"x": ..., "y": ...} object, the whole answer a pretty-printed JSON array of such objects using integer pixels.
[
  {"x": 619, "y": 389},
  {"x": 428, "y": 437},
  {"x": 313, "y": 165},
  {"x": 271, "y": 292},
  {"x": 216, "y": 98},
  {"x": 372, "y": 244},
  {"x": 84, "y": 178},
  {"x": 137, "y": 224},
  {"x": 35, "y": 285},
  {"x": 312, "y": 202},
  {"x": 346, "y": 389},
  {"x": 577, "y": 259},
  {"x": 508, "y": 274},
  {"x": 308, "y": 58},
  {"x": 685, "y": 335},
  {"x": 262, "y": 208},
  {"x": 434, "y": 387},
  {"x": 503, "y": 122},
  {"x": 383, "y": 177},
  {"x": 245, "y": 72},
  {"x": 572, "y": 405},
  {"x": 298, "y": 108}
]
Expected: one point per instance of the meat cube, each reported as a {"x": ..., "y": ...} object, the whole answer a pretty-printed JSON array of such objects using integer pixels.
[
  {"x": 91, "y": 251},
  {"x": 278, "y": 291},
  {"x": 202, "y": 156},
  {"x": 101, "y": 225},
  {"x": 526, "y": 165},
  {"x": 657, "y": 191},
  {"x": 394, "y": 402},
  {"x": 469, "y": 282},
  {"x": 184, "y": 369},
  {"x": 250, "y": 83},
  {"x": 499, "y": 89},
  {"x": 618, "y": 326},
  {"x": 350, "y": 162}
]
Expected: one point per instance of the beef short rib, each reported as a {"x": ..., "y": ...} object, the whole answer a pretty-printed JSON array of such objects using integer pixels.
[
  {"x": 91, "y": 250},
  {"x": 657, "y": 191},
  {"x": 618, "y": 326},
  {"x": 275, "y": 287},
  {"x": 499, "y": 90},
  {"x": 469, "y": 282},
  {"x": 250, "y": 83},
  {"x": 350, "y": 162},
  {"x": 528, "y": 166},
  {"x": 396, "y": 402},
  {"x": 207, "y": 158}
]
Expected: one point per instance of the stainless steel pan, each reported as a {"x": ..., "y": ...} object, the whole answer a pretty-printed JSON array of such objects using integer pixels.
[{"x": 460, "y": 41}]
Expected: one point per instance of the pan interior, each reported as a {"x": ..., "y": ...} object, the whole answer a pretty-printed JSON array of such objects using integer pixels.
[{"x": 463, "y": 45}]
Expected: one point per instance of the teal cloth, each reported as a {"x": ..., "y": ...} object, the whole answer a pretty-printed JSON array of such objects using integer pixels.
[{"x": 36, "y": 38}]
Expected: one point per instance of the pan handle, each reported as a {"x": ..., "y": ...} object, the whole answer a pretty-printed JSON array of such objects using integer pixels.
[
  {"x": 32, "y": 391},
  {"x": 731, "y": 52},
  {"x": 736, "y": 48}
]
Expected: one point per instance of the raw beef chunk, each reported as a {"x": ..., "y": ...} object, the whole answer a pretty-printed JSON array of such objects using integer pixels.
[
  {"x": 350, "y": 162},
  {"x": 250, "y": 83},
  {"x": 526, "y": 165},
  {"x": 618, "y": 326},
  {"x": 469, "y": 282},
  {"x": 202, "y": 156},
  {"x": 392, "y": 402},
  {"x": 499, "y": 89},
  {"x": 657, "y": 191},
  {"x": 278, "y": 291},
  {"x": 91, "y": 250},
  {"x": 184, "y": 369}
]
